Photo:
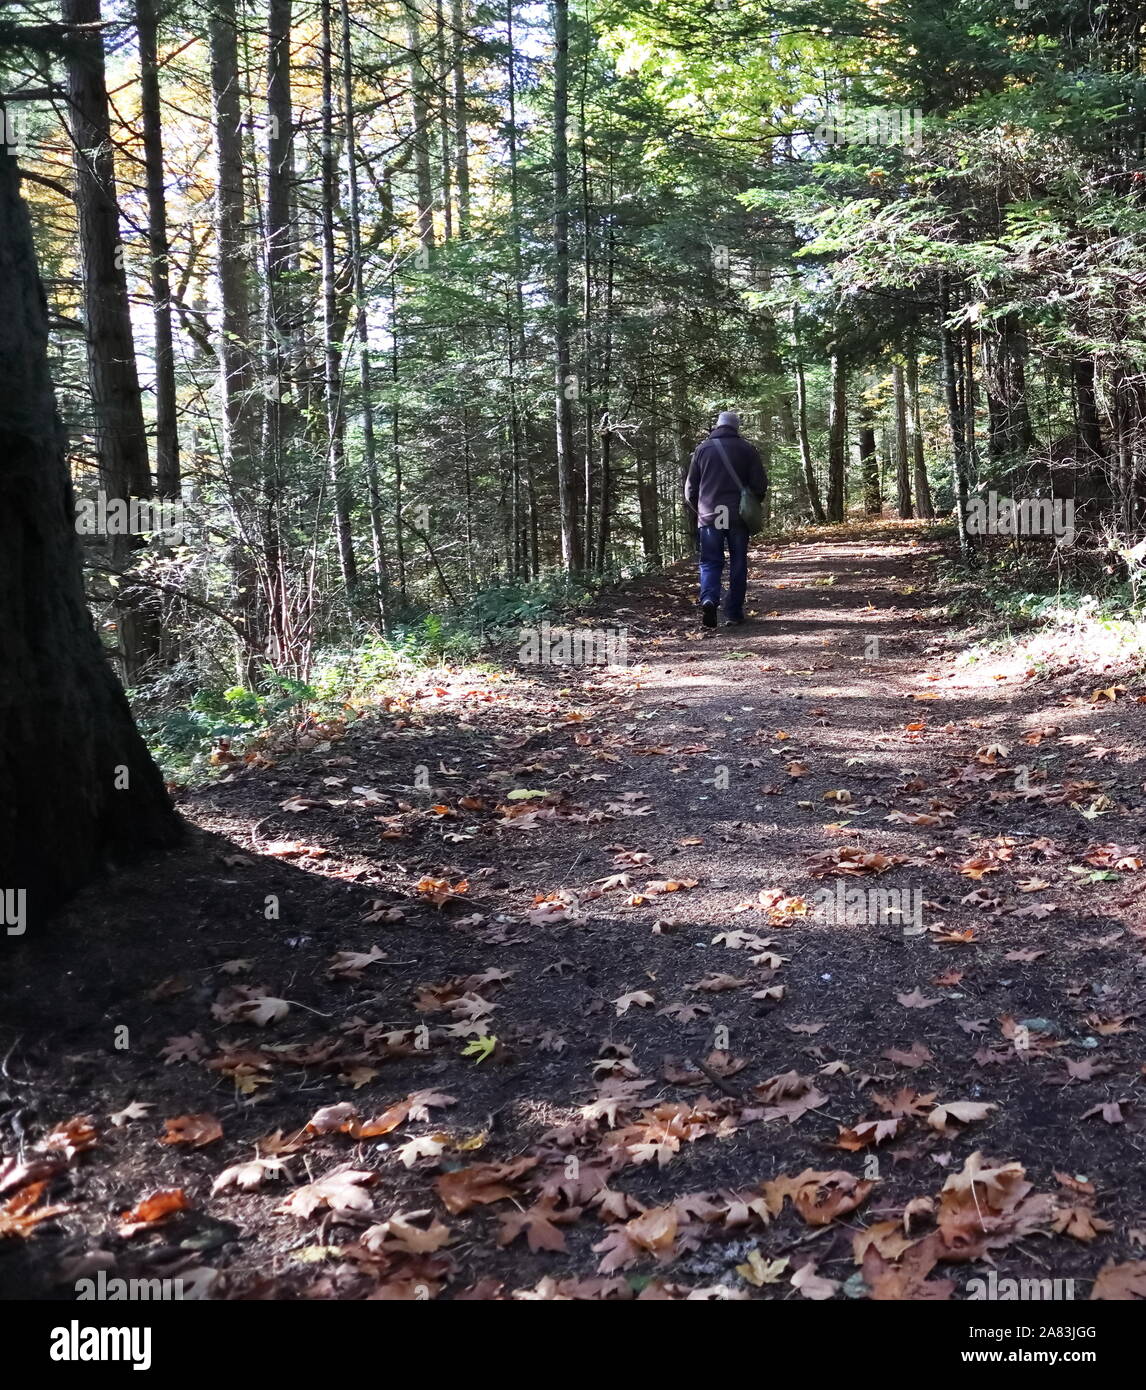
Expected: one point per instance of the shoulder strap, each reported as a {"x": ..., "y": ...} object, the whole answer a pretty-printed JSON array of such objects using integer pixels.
[{"x": 712, "y": 439}]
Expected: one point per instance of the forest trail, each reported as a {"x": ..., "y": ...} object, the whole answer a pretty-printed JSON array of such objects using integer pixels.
[{"x": 679, "y": 1021}]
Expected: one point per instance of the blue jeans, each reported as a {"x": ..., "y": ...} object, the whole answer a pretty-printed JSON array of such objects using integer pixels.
[{"x": 713, "y": 540}]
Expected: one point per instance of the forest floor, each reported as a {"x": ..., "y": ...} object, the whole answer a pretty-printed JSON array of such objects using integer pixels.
[{"x": 384, "y": 1029}]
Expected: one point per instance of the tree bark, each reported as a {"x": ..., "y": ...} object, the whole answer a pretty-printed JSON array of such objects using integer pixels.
[
  {"x": 461, "y": 120},
  {"x": 682, "y": 455},
  {"x": 166, "y": 402},
  {"x": 956, "y": 424},
  {"x": 647, "y": 501},
  {"x": 837, "y": 440},
  {"x": 571, "y": 551},
  {"x": 442, "y": 71},
  {"x": 421, "y": 133},
  {"x": 77, "y": 786},
  {"x": 902, "y": 464},
  {"x": 1086, "y": 408},
  {"x": 278, "y": 231},
  {"x": 120, "y": 433},
  {"x": 869, "y": 464},
  {"x": 365, "y": 375},
  {"x": 1019, "y": 434},
  {"x": 811, "y": 487},
  {"x": 237, "y": 377},
  {"x": 236, "y": 372},
  {"x": 923, "y": 503},
  {"x": 332, "y": 319}
]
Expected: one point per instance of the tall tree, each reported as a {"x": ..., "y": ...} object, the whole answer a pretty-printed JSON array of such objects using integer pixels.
[
  {"x": 837, "y": 440},
  {"x": 166, "y": 400},
  {"x": 278, "y": 232},
  {"x": 420, "y": 135},
  {"x": 77, "y": 787},
  {"x": 361, "y": 320},
  {"x": 923, "y": 503},
  {"x": 332, "y": 318},
  {"x": 117, "y": 408},
  {"x": 902, "y": 462},
  {"x": 571, "y": 548},
  {"x": 955, "y": 398},
  {"x": 869, "y": 462},
  {"x": 233, "y": 263},
  {"x": 461, "y": 115}
]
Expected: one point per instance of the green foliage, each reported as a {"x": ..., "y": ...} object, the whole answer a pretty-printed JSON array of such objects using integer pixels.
[
  {"x": 1020, "y": 591},
  {"x": 181, "y": 736}
]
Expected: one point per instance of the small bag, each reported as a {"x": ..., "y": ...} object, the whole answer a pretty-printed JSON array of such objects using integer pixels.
[{"x": 751, "y": 510}]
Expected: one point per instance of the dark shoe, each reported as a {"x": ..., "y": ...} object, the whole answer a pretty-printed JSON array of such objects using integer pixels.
[
  {"x": 734, "y": 622},
  {"x": 708, "y": 614}
]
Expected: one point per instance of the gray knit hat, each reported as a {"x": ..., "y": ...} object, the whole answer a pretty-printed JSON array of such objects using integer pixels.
[{"x": 728, "y": 418}]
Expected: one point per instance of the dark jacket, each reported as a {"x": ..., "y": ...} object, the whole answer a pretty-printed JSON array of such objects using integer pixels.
[{"x": 710, "y": 484}]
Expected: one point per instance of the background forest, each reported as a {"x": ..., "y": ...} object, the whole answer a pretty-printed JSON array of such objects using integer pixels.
[{"x": 413, "y": 310}]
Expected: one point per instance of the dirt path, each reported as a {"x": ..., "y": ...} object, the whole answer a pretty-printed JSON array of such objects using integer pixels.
[{"x": 680, "y": 1023}]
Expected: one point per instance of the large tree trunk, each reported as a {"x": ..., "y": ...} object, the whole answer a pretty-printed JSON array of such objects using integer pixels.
[{"x": 77, "y": 787}]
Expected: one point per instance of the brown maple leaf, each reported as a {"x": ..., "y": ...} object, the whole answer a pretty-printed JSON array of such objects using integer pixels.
[
  {"x": 917, "y": 1055},
  {"x": 906, "y": 1279},
  {"x": 1120, "y": 1283},
  {"x": 480, "y": 1184},
  {"x": 74, "y": 1136},
  {"x": 342, "y": 1193},
  {"x": 18, "y": 1215},
  {"x": 195, "y": 1131},
  {"x": 539, "y": 1224},
  {"x": 153, "y": 1210}
]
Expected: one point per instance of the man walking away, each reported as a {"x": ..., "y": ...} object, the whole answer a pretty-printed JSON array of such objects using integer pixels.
[{"x": 721, "y": 467}]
